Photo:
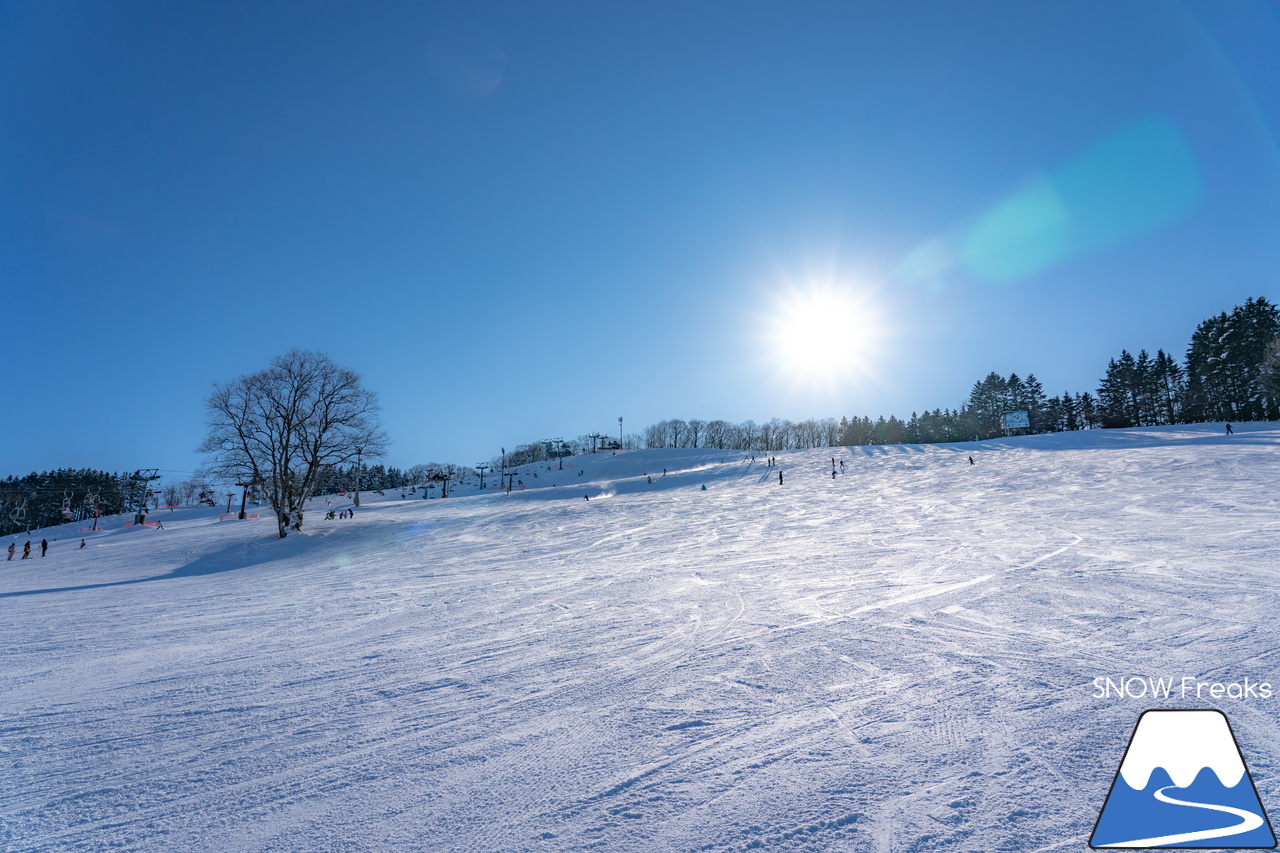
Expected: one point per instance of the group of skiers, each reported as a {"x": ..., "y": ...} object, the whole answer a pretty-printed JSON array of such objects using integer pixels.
[
  {"x": 342, "y": 514},
  {"x": 26, "y": 549}
]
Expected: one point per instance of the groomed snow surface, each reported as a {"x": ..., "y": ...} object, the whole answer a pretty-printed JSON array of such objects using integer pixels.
[{"x": 900, "y": 658}]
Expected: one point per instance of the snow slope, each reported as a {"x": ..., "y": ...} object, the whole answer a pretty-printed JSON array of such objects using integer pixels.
[{"x": 897, "y": 659}]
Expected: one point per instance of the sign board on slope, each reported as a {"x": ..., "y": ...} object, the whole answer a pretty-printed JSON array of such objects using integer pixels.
[{"x": 1017, "y": 420}]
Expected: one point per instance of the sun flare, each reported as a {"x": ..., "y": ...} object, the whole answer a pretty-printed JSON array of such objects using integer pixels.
[{"x": 822, "y": 335}]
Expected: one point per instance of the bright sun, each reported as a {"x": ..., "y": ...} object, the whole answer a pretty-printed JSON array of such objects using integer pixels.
[{"x": 822, "y": 335}]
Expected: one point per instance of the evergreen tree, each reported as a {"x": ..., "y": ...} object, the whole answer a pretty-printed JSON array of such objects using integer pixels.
[
  {"x": 1224, "y": 363},
  {"x": 1118, "y": 392},
  {"x": 1168, "y": 388}
]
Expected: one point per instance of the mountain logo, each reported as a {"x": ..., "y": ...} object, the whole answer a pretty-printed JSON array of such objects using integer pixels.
[{"x": 1182, "y": 783}]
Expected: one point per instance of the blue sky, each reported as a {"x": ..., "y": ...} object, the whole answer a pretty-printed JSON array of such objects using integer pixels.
[{"x": 520, "y": 221}]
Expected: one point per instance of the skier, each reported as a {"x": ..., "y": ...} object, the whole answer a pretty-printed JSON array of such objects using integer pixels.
[
  {"x": 779, "y": 478},
  {"x": 12, "y": 548},
  {"x": 44, "y": 546},
  {"x": 971, "y": 460},
  {"x": 159, "y": 525},
  {"x": 26, "y": 550},
  {"x": 833, "y": 473},
  {"x": 841, "y": 466},
  {"x": 1229, "y": 430},
  {"x": 81, "y": 545}
]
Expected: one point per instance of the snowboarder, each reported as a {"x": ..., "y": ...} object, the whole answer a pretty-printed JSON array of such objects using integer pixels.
[
  {"x": 44, "y": 546},
  {"x": 586, "y": 497},
  {"x": 833, "y": 473},
  {"x": 841, "y": 466},
  {"x": 26, "y": 550},
  {"x": 81, "y": 545},
  {"x": 12, "y": 547},
  {"x": 1229, "y": 430}
]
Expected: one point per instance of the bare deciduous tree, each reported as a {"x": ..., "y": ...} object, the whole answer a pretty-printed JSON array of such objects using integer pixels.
[{"x": 279, "y": 427}]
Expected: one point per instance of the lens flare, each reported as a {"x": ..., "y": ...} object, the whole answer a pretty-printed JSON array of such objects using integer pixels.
[{"x": 823, "y": 336}]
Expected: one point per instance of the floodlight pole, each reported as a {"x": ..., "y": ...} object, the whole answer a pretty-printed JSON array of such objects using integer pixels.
[
  {"x": 619, "y": 431},
  {"x": 359, "y": 450}
]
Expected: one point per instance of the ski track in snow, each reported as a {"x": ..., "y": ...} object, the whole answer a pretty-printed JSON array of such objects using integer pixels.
[{"x": 899, "y": 659}]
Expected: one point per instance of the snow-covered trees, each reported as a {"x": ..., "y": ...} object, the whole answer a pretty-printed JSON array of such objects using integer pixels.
[
  {"x": 1269, "y": 375},
  {"x": 1225, "y": 379},
  {"x": 281, "y": 427}
]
